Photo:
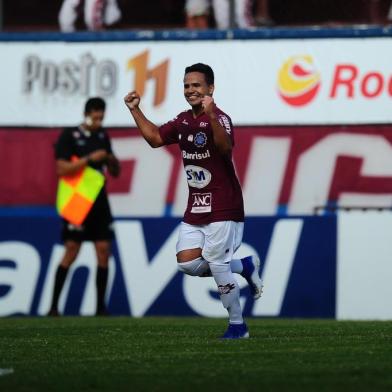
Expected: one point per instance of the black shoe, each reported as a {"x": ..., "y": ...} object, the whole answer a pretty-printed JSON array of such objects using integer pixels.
[
  {"x": 102, "y": 312},
  {"x": 53, "y": 313}
]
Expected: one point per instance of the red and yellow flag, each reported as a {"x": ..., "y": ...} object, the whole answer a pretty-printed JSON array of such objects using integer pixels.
[{"x": 76, "y": 194}]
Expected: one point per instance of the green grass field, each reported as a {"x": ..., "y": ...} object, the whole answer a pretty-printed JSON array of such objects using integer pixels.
[{"x": 159, "y": 354}]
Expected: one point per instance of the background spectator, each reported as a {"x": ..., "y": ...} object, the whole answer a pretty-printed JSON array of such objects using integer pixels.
[
  {"x": 170, "y": 13},
  {"x": 262, "y": 15},
  {"x": 96, "y": 14},
  {"x": 197, "y": 14},
  {"x": 243, "y": 17},
  {"x": 389, "y": 15}
]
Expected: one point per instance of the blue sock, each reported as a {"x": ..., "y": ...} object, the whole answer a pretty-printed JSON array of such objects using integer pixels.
[{"x": 247, "y": 266}]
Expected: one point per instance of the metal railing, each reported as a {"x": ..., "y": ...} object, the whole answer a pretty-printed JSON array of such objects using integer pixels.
[{"x": 332, "y": 209}]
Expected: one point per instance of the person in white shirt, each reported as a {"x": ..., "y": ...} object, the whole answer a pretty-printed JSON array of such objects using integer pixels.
[
  {"x": 197, "y": 12},
  {"x": 96, "y": 14},
  {"x": 243, "y": 17}
]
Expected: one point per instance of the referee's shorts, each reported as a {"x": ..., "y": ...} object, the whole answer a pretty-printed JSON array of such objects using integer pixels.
[{"x": 98, "y": 225}]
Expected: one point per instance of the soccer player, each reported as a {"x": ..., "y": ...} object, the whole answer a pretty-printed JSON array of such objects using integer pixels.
[
  {"x": 212, "y": 227},
  {"x": 90, "y": 143}
]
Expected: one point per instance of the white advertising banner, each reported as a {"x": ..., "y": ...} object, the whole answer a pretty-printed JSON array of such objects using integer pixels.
[
  {"x": 364, "y": 266},
  {"x": 313, "y": 81}
]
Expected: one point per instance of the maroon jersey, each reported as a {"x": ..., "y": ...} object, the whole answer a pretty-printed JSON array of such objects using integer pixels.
[{"x": 214, "y": 191}]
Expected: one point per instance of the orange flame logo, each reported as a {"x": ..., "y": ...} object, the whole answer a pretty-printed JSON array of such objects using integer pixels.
[{"x": 298, "y": 81}]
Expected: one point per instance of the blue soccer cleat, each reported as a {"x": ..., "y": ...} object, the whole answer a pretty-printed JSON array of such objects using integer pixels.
[
  {"x": 251, "y": 272},
  {"x": 236, "y": 331}
]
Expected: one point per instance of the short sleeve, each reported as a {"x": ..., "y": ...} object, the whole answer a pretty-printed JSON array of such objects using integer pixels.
[
  {"x": 169, "y": 132},
  {"x": 64, "y": 146},
  {"x": 226, "y": 123}
]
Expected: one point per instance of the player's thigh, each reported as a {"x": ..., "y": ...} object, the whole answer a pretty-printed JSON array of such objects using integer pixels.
[
  {"x": 190, "y": 242},
  {"x": 221, "y": 240},
  {"x": 238, "y": 234}
]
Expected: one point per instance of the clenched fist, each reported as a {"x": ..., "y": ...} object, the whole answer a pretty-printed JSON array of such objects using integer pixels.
[
  {"x": 132, "y": 100},
  {"x": 208, "y": 104}
]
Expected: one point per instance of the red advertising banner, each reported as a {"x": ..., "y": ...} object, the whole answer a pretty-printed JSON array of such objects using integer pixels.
[{"x": 293, "y": 170}]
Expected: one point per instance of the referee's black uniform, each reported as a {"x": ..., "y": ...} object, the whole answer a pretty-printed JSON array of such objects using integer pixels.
[
  {"x": 98, "y": 223},
  {"x": 87, "y": 142}
]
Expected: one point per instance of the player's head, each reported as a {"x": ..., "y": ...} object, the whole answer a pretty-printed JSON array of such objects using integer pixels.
[
  {"x": 198, "y": 82},
  {"x": 94, "y": 112}
]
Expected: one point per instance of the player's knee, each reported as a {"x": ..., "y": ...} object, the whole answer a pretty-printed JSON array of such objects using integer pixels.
[
  {"x": 219, "y": 268},
  {"x": 188, "y": 267},
  {"x": 196, "y": 267}
]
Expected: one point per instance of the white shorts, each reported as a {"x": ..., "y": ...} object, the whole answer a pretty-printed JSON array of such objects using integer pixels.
[{"x": 218, "y": 240}]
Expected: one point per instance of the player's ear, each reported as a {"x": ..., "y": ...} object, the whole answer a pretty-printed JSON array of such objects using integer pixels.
[{"x": 211, "y": 89}]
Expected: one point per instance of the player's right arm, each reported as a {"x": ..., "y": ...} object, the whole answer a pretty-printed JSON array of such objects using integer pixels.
[{"x": 149, "y": 130}]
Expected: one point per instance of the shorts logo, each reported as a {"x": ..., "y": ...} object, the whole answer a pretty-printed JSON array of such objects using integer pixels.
[
  {"x": 200, "y": 139},
  {"x": 225, "y": 289},
  {"x": 201, "y": 202},
  {"x": 197, "y": 176}
]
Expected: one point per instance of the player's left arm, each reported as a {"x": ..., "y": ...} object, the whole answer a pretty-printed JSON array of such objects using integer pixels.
[{"x": 222, "y": 139}]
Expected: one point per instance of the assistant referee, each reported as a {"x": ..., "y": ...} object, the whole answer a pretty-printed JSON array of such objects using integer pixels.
[{"x": 90, "y": 143}]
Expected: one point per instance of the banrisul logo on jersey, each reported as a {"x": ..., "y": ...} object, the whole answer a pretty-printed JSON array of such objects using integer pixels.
[{"x": 298, "y": 81}]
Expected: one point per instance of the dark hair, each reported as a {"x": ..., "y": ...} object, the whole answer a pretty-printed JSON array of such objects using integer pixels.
[
  {"x": 204, "y": 69},
  {"x": 95, "y": 103}
]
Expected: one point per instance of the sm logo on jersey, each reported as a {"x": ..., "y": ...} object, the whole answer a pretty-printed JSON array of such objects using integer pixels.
[
  {"x": 201, "y": 202},
  {"x": 197, "y": 176}
]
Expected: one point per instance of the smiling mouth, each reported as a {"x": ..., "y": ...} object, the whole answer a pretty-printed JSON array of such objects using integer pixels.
[{"x": 193, "y": 96}]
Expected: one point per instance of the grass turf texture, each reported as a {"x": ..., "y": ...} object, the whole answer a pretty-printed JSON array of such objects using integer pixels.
[{"x": 158, "y": 354}]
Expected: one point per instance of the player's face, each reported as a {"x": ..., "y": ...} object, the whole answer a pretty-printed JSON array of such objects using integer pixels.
[
  {"x": 196, "y": 87},
  {"x": 94, "y": 119}
]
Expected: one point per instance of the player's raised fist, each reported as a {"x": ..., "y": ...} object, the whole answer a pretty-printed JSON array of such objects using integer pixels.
[
  {"x": 132, "y": 100},
  {"x": 208, "y": 104}
]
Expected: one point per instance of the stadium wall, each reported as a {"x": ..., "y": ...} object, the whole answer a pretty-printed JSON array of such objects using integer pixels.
[
  {"x": 283, "y": 170},
  {"x": 325, "y": 267},
  {"x": 283, "y": 81},
  {"x": 313, "y": 137}
]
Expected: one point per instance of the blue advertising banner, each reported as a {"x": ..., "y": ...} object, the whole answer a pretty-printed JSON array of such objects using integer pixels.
[{"x": 298, "y": 269}]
